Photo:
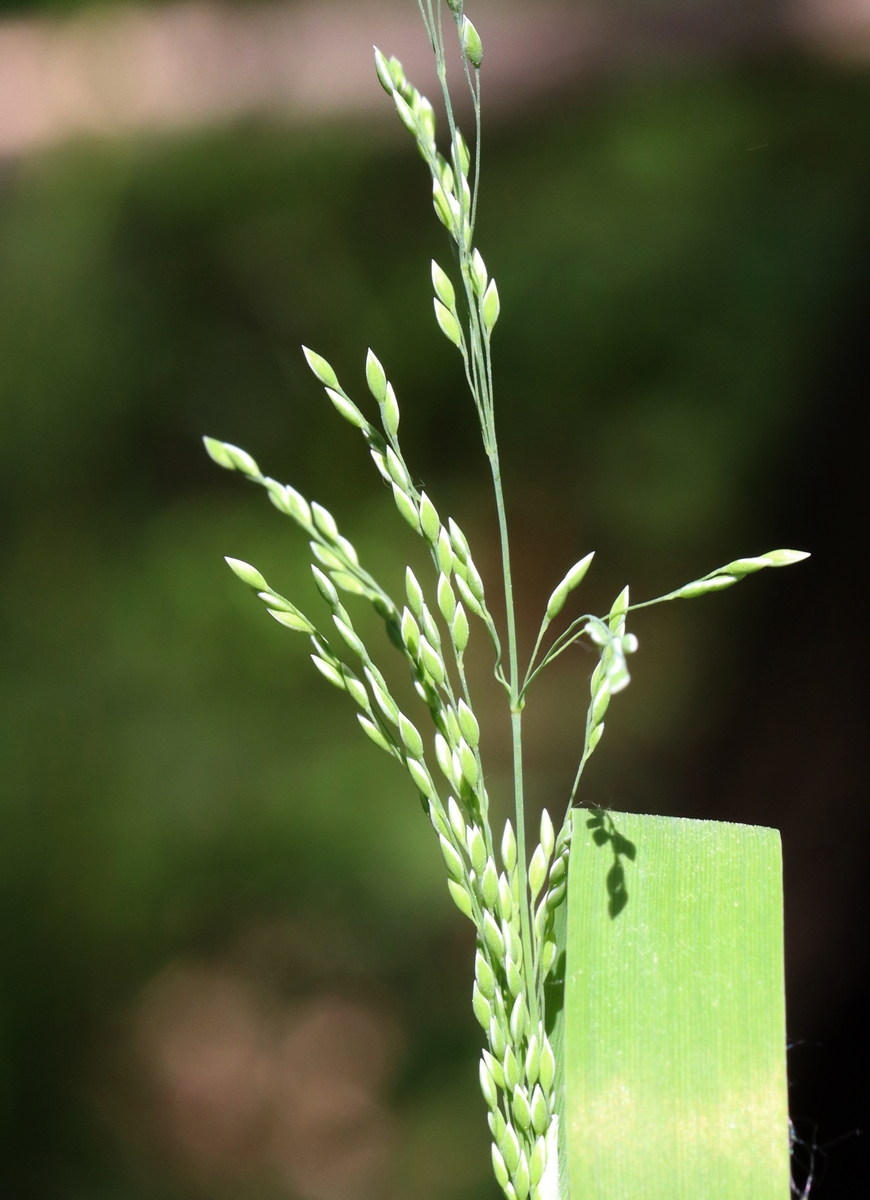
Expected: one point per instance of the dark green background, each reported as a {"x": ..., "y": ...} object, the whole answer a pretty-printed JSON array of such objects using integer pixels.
[{"x": 682, "y": 373}]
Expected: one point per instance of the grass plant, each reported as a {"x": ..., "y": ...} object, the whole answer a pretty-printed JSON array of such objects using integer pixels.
[{"x": 515, "y": 899}]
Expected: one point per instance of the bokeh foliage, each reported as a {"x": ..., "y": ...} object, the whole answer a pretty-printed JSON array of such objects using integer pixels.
[{"x": 673, "y": 257}]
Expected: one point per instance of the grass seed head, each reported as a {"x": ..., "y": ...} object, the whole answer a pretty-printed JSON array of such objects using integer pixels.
[
  {"x": 471, "y": 44},
  {"x": 487, "y": 1086},
  {"x": 496, "y": 1124},
  {"x": 549, "y": 950},
  {"x": 539, "y": 1112},
  {"x": 483, "y": 974},
  {"x": 410, "y": 631},
  {"x": 509, "y": 847},
  {"x": 468, "y": 724},
  {"x": 441, "y": 203},
  {"x": 538, "y": 1161},
  {"x": 432, "y": 661},
  {"x": 406, "y": 115},
  {"x": 443, "y": 757},
  {"x": 248, "y": 574},
  {"x": 495, "y": 1033},
  {"x": 459, "y": 630},
  {"x": 499, "y": 1165},
  {"x": 448, "y": 324},
  {"x": 468, "y": 596},
  {"x": 446, "y": 597},
  {"x": 504, "y": 898},
  {"x": 495, "y": 1068},
  {"x": 519, "y": 1019},
  {"x": 461, "y": 898},
  {"x": 444, "y": 289},
  {"x": 572, "y": 580},
  {"x": 325, "y": 522},
  {"x": 468, "y": 763},
  {"x": 414, "y": 592},
  {"x": 490, "y": 307},
  {"x": 702, "y": 586},
  {"x": 374, "y": 733},
  {"x": 548, "y": 834},
  {"x": 382, "y": 67},
  {"x": 477, "y": 850},
  {"x": 430, "y": 628},
  {"x": 347, "y": 409},
  {"x": 321, "y": 369},
  {"x": 457, "y": 821},
  {"x": 430, "y": 522},
  {"x": 376, "y": 377},
  {"x": 492, "y": 936},
  {"x": 533, "y": 1060},
  {"x": 481, "y": 1006},
  {"x": 510, "y": 1148},
  {"x": 455, "y": 866},
  {"x": 512, "y": 940},
  {"x": 356, "y": 690},
  {"x": 547, "y": 1069},
  {"x": 421, "y": 778},
  {"x": 397, "y": 469},
  {"x": 617, "y": 613},
  {"x": 326, "y": 587},
  {"x": 426, "y": 121},
  {"x": 351, "y": 639},
  {"x": 444, "y": 552},
  {"x": 489, "y": 885},
  {"x": 219, "y": 452},
  {"x": 461, "y": 154},
  {"x": 410, "y": 736},
  {"x": 390, "y": 412},
  {"x": 511, "y": 1068},
  {"x": 292, "y": 620},
  {"x": 520, "y": 1108},
  {"x": 328, "y": 671},
  {"x": 479, "y": 273},
  {"x": 436, "y": 815},
  {"x": 242, "y": 461},
  {"x": 458, "y": 541},
  {"x": 521, "y": 1178},
  {"x": 537, "y": 872}
]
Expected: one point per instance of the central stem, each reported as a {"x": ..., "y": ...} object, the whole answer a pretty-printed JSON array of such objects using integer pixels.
[{"x": 516, "y": 729}]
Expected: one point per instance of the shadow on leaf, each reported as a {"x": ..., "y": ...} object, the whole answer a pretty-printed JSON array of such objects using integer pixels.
[{"x": 605, "y": 833}]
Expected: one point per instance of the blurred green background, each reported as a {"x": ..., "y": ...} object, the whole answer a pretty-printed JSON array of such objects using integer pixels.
[{"x": 230, "y": 966}]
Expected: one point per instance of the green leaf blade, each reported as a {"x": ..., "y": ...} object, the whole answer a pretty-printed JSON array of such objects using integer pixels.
[{"x": 675, "y": 1012}]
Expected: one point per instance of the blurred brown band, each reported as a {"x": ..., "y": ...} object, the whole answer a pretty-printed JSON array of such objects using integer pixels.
[{"x": 146, "y": 69}]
